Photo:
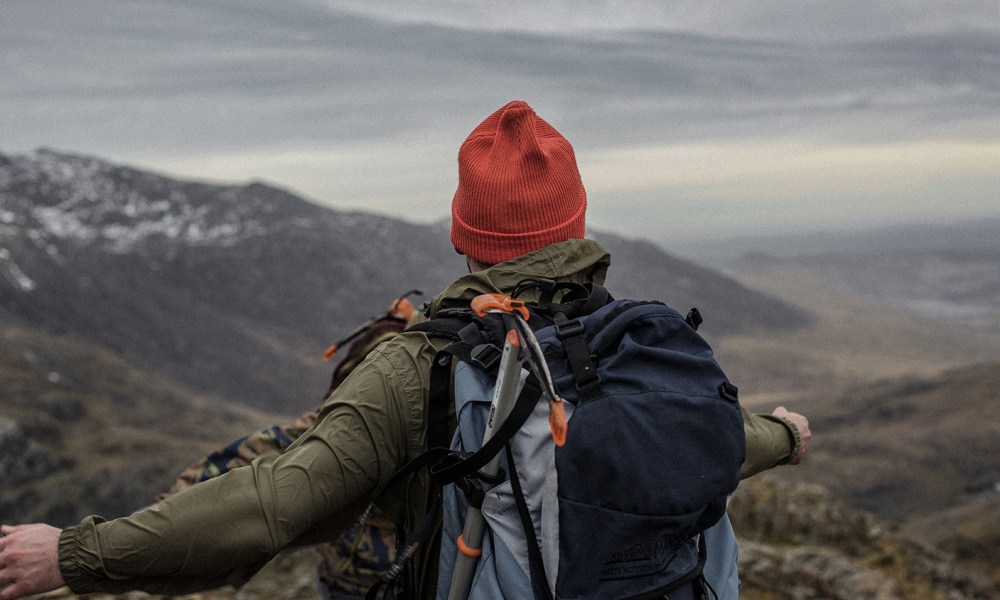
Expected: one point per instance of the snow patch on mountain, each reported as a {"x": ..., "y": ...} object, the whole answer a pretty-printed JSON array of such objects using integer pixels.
[
  {"x": 86, "y": 200},
  {"x": 13, "y": 273}
]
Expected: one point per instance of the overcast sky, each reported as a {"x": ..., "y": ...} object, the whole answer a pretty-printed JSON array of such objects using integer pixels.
[{"x": 689, "y": 118}]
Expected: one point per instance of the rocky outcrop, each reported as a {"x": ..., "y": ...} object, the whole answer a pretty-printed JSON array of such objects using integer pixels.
[
  {"x": 798, "y": 542},
  {"x": 21, "y": 460}
]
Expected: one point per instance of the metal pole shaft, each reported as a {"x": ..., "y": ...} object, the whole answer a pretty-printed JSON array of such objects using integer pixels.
[{"x": 504, "y": 396}]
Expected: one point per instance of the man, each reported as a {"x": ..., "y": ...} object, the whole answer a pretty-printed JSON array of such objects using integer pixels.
[{"x": 518, "y": 212}]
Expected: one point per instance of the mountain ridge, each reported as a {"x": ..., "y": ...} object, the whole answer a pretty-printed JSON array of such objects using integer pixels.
[{"x": 236, "y": 290}]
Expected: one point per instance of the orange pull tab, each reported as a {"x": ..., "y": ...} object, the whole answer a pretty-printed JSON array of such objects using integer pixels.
[
  {"x": 329, "y": 352},
  {"x": 557, "y": 421},
  {"x": 402, "y": 308},
  {"x": 484, "y": 303}
]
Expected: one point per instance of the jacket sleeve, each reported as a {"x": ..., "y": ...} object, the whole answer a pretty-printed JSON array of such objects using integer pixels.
[
  {"x": 223, "y": 530},
  {"x": 771, "y": 441},
  {"x": 239, "y": 453}
]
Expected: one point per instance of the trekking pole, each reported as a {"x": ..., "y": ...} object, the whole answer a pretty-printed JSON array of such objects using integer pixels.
[{"x": 504, "y": 394}]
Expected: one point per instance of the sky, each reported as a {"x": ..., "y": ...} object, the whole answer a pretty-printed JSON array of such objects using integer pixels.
[{"x": 690, "y": 119}]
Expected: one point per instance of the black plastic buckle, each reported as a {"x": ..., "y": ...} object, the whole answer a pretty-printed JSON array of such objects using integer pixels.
[
  {"x": 694, "y": 318},
  {"x": 729, "y": 392},
  {"x": 571, "y": 328},
  {"x": 485, "y": 356}
]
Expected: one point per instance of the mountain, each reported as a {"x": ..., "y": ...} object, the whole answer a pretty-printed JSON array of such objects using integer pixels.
[
  {"x": 236, "y": 290},
  {"x": 799, "y": 541},
  {"x": 233, "y": 290}
]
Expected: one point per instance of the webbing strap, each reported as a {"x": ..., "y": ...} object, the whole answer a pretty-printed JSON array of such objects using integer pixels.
[
  {"x": 574, "y": 339},
  {"x": 438, "y": 401},
  {"x": 422, "y": 532},
  {"x": 536, "y": 566},
  {"x": 454, "y": 467}
]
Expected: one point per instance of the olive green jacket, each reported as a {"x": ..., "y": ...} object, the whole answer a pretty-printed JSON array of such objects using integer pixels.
[{"x": 223, "y": 530}]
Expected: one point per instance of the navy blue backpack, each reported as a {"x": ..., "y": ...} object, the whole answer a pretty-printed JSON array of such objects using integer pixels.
[{"x": 653, "y": 444}]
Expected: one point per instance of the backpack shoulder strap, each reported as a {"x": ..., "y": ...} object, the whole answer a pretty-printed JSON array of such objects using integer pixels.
[{"x": 475, "y": 340}]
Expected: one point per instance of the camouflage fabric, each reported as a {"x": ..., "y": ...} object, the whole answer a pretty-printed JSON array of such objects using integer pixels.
[
  {"x": 351, "y": 564},
  {"x": 240, "y": 452}
]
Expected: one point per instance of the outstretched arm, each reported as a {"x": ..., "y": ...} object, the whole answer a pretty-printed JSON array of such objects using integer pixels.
[{"x": 223, "y": 530}]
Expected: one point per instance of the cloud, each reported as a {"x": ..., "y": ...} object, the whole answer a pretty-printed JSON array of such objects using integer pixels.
[
  {"x": 768, "y": 19},
  {"x": 753, "y": 188},
  {"x": 320, "y": 97}
]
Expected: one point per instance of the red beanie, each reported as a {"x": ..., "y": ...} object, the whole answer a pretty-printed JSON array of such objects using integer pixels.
[{"x": 518, "y": 188}]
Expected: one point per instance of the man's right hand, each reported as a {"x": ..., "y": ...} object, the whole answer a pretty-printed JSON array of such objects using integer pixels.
[{"x": 29, "y": 560}]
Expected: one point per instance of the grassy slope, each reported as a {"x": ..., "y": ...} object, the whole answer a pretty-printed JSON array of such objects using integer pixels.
[{"x": 103, "y": 437}]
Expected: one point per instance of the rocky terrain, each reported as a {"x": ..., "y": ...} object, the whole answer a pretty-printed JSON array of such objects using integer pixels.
[{"x": 797, "y": 542}]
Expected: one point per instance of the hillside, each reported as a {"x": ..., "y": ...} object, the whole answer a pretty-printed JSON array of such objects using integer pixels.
[
  {"x": 911, "y": 446},
  {"x": 920, "y": 452},
  {"x": 853, "y": 340},
  {"x": 83, "y": 432},
  {"x": 234, "y": 291},
  {"x": 800, "y": 542},
  {"x": 899, "y": 405}
]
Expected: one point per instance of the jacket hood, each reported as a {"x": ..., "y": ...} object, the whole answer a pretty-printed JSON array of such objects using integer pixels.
[{"x": 576, "y": 260}]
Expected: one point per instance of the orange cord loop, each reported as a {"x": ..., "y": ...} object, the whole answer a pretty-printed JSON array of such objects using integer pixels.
[{"x": 466, "y": 550}]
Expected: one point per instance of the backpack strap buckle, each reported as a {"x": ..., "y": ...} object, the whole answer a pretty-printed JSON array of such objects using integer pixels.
[
  {"x": 485, "y": 356},
  {"x": 570, "y": 328}
]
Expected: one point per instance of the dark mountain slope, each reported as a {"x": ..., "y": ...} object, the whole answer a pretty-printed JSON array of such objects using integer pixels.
[
  {"x": 82, "y": 432},
  {"x": 233, "y": 290}
]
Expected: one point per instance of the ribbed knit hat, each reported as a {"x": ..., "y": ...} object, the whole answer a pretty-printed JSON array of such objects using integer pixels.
[{"x": 518, "y": 188}]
